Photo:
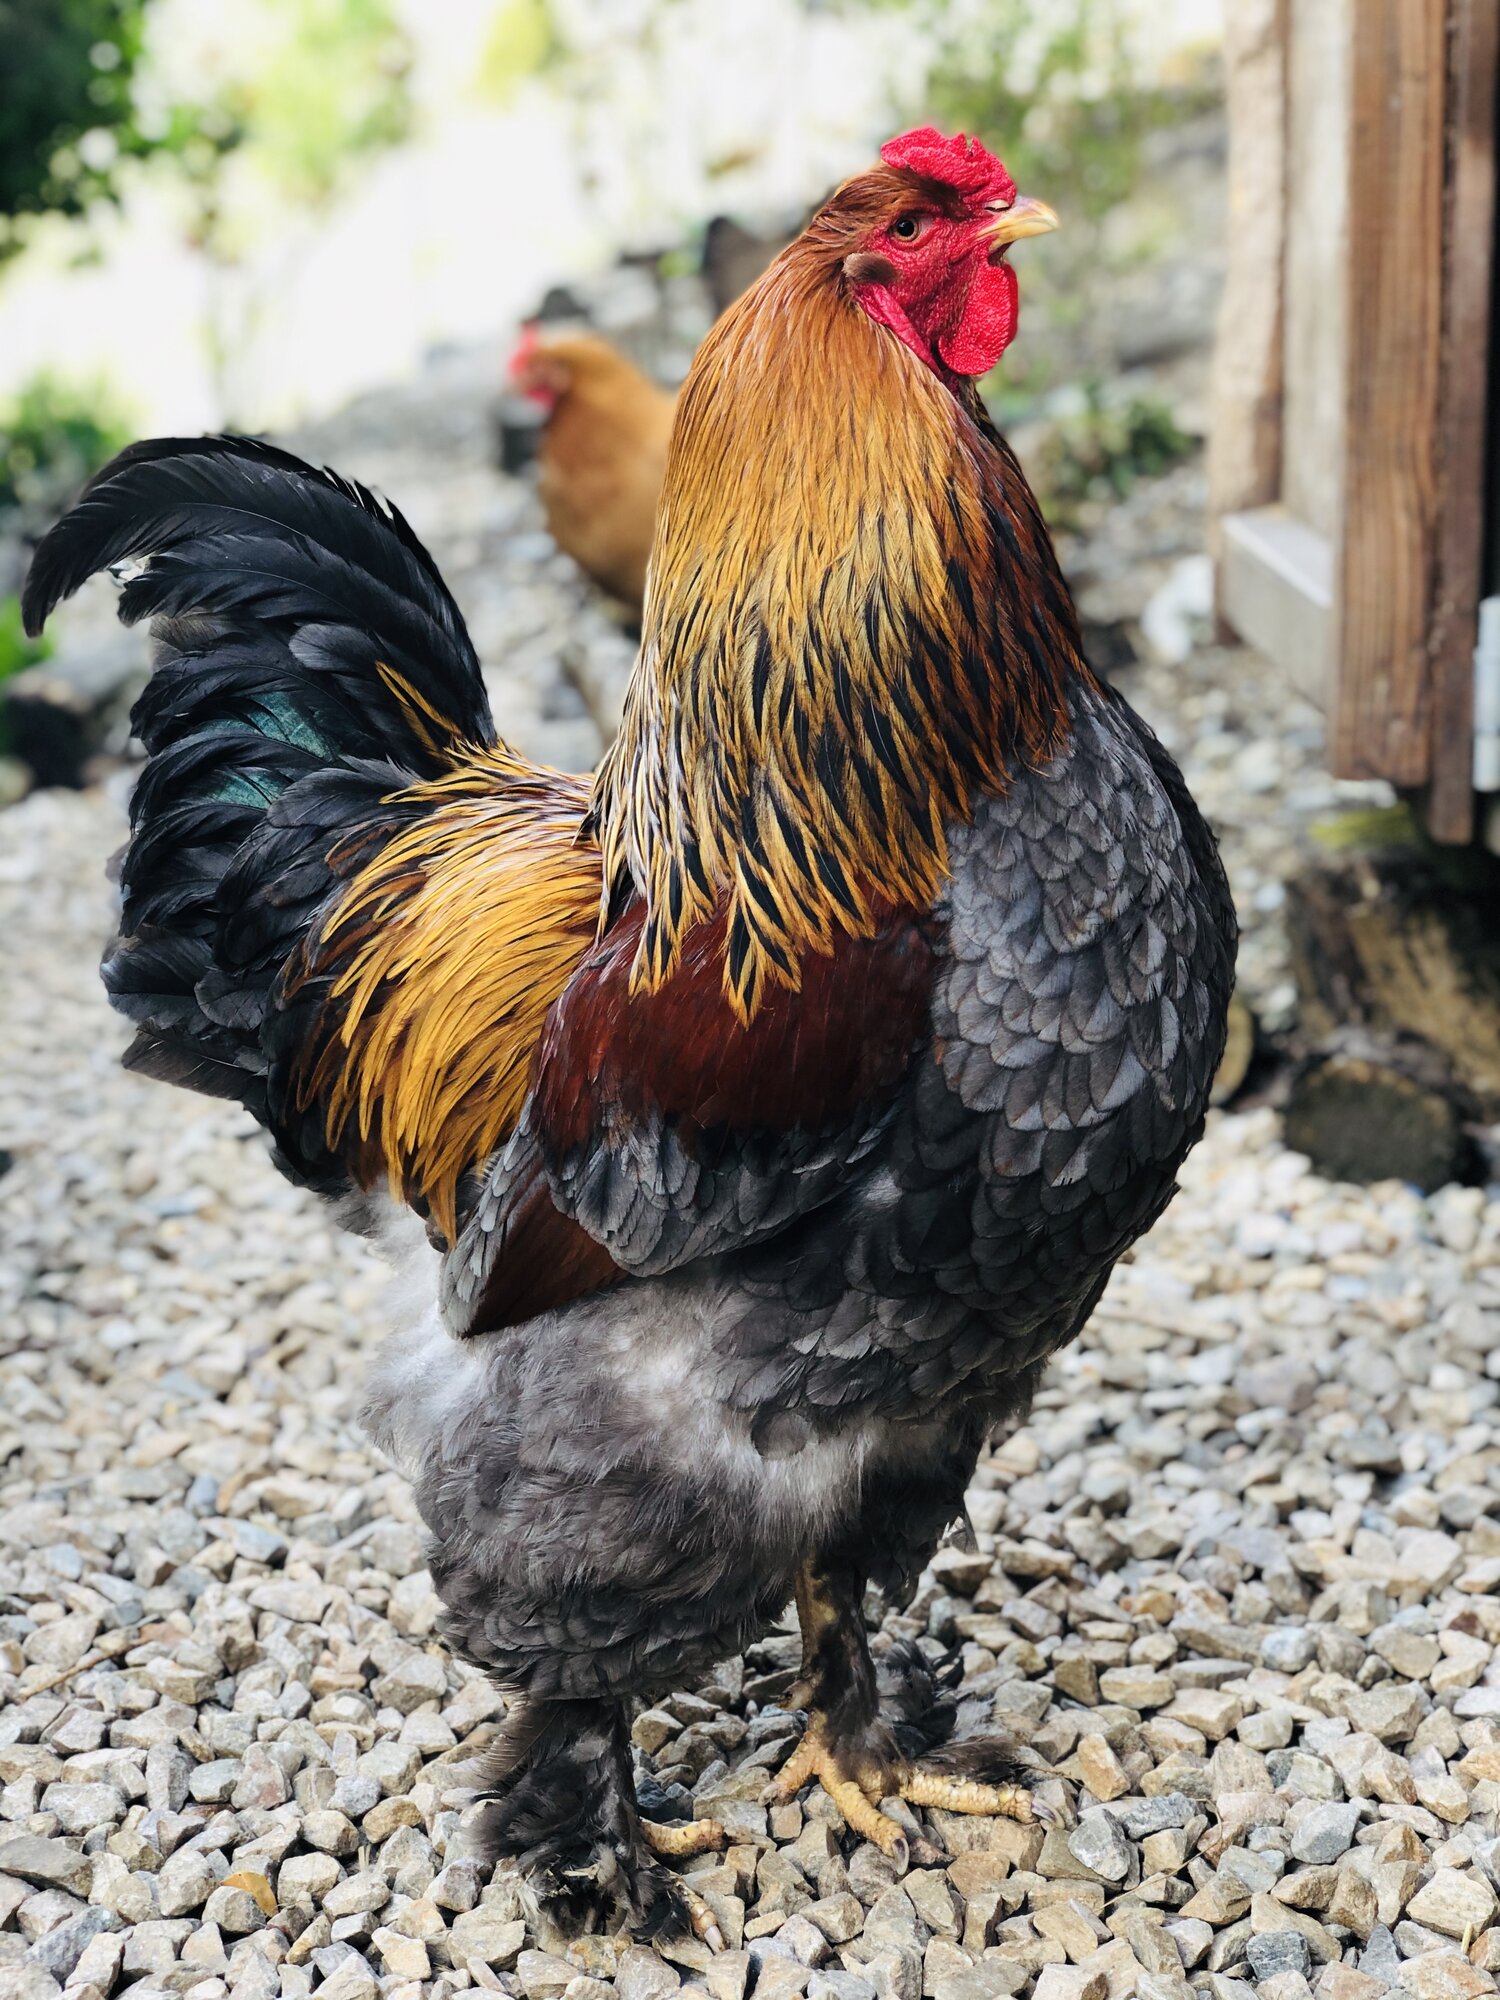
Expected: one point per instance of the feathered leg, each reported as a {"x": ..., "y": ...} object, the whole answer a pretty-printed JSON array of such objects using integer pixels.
[
  {"x": 565, "y": 1813},
  {"x": 867, "y": 1728}
]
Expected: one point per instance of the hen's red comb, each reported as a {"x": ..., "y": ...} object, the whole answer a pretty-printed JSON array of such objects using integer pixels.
[
  {"x": 960, "y": 163},
  {"x": 528, "y": 345}
]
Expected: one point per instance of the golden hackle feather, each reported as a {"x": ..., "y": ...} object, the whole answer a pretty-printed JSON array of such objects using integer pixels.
[
  {"x": 445, "y": 953},
  {"x": 853, "y": 624}
]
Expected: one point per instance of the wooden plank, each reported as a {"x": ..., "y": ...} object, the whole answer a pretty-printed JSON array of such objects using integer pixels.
[
  {"x": 1321, "y": 32},
  {"x": 1276, "y": 590},
  {"x": 1474, "y": 61},
  {"x": 1381, "y": 709},
  {"x": 1244, "y": 447}
]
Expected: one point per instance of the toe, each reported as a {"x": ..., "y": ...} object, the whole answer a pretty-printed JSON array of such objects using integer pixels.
[
  {"x": 795, "y": 1772},
  {"x": 866, "y": 1819},
  {"x": 966, "y": 1795},
  {"x": 683, "y": 1838},
  {"x": 856, "y": 1796},
  {"x": 705, "y": 1924}
]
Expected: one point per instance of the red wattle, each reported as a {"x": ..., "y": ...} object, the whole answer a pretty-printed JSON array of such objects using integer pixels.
[{"x": 987, "y": 325}]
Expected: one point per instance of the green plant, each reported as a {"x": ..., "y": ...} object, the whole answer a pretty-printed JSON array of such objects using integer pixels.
[
  {"x": 16, "y": 653},
  {"x": 305, "y": 89},
  {"x": 16, "y": 650},
  {"x": 52, "y": 437},
  {"x": 66, "y": 113},
  {"x": 330, "y": 87},
  {"x": 1054, "y": 87},
  {"x": 319, "y": 83},
  {"x": 1099, "y": 451},
  {"x": 522, "y": 41}
]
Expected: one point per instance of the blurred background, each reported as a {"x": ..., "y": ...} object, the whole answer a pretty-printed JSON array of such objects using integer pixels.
[
  {"x": 248, "y": 214},
  {"x": 328, "y": 218}
]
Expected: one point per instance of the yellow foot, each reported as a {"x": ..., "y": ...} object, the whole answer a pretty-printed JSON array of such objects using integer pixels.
[
  {"x": 855, "y": 1795},
  {"x": 857, "y": 1791},
  {"x": 676, "y": 1841}
]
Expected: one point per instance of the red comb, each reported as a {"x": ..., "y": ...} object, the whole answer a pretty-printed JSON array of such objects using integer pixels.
[{"x": 958, "y": 162}]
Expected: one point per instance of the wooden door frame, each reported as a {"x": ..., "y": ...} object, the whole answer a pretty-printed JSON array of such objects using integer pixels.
[
  {"x": 1466, "y": 414},
  {"x": 1349, "y": 463}
]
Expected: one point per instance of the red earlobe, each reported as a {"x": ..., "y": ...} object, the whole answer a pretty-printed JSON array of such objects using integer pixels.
[{"x": 868, "y": 267}]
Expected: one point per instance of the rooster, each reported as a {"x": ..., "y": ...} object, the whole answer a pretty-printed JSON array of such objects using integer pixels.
[
  {"x": 602, "y": 455},
  {"x": 775, "y": 1102}
]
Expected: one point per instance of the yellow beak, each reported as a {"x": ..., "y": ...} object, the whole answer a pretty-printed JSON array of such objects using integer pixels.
[{"x": 1025, "y": 217}]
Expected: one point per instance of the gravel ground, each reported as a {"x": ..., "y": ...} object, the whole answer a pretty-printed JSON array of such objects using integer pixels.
[{"x": 1234, "y": 1585}]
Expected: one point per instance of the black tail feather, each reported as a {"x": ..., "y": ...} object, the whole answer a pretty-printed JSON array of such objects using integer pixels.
[
  {"x": 310, "y": 662},
  {"x": 204, "y": 510}
]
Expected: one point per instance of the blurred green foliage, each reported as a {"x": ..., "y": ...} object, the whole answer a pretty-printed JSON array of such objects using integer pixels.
[
  {"x": 1368, "y": 830},
  {"x": 327, "y": 86},
  {"x": 17, "y": 652},
  {"x": 522, "y": 41},
  {"x": 52, "y": 437},
  {"x": 1099, "y": 451},
  {"x": 1052, "y": 87},
  {"x": 66, "y": 112}
]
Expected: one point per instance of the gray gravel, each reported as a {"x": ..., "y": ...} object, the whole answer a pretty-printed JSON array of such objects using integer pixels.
[{"x": 1234, "y": 1586}]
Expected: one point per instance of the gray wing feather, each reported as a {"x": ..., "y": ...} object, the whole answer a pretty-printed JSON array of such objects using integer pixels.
[{"x": 1078, "y": 1020}]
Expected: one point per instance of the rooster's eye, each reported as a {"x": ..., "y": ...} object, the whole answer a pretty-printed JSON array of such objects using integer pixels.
[{"x": 907, "y": 228}]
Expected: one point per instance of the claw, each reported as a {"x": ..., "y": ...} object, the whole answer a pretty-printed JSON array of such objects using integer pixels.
[{"x": 705, "y": 1924}]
